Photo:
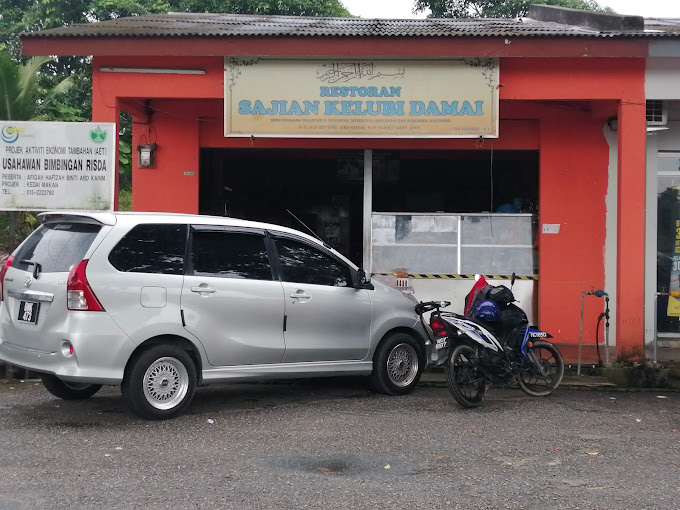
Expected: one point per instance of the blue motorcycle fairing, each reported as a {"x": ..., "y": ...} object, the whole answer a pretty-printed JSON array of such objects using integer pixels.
[{"x": 533, "y": 334}]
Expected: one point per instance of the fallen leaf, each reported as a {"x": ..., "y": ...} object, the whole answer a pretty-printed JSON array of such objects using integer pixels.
[
  {"x": 387, "y": 466},
  {"x": 476, "y": 431},
  {"x": 638, "y": 420},
  {"x": 210, "y": 421},
  {"x": 325, "y": 470},
  {"x": 556, "y": 449},
  {"x": 441, "y": 457},
  {"x": 592, "y": 452}
]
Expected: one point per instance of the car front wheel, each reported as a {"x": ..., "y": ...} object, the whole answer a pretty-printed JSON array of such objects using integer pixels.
[
  {"x": 160, "y": 383},
  {"x": 396, "y": 365}
]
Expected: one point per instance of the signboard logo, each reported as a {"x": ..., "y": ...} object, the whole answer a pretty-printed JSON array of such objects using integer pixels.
[
  {"x": 98, "y": 135},
  {"x": 10, "y": 134}
]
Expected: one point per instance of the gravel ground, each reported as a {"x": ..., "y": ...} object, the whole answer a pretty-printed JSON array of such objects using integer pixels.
[{"x": 330, "y": 444}]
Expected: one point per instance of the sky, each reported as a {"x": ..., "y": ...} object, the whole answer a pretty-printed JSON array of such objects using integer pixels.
[{"x": 402, "y": 8}]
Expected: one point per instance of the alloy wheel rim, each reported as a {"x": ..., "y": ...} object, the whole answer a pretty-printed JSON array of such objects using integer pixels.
[
  {"x": 402, "y": 365},
  {"x": 165, "y": 383},
  {"x": 538, "y": 382}
]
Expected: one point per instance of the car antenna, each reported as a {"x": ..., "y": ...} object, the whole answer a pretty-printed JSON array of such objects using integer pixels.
[{"x": 313, "y": 233}]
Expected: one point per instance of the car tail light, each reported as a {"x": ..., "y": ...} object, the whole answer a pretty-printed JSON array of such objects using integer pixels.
[
  {"x": 79, "y": 295},
  {"x": 438, "y": 327},
  {"x": 4, "y": 269}
]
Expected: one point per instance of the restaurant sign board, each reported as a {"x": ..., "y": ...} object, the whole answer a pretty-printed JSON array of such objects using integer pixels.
[{"x": 452, "y": 98}]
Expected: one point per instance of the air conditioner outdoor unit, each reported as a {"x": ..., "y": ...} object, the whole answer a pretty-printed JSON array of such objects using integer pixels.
[{"x": 657, "y": 112}]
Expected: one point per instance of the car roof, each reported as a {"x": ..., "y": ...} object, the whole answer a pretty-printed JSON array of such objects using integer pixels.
[{"x": 129, "y": 218}]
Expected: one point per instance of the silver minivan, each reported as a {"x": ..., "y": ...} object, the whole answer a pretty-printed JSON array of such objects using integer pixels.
[{"x": 158, "y": 303}]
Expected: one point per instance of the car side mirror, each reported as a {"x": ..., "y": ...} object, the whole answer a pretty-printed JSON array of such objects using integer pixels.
[
  {"x": 363, "y": 278},
  {"x": 512, "y": 280}
]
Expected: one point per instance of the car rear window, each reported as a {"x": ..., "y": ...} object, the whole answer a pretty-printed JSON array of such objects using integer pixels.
[
  {"x": 56, "y": 247},
  {"x": 151, "y": 248}
]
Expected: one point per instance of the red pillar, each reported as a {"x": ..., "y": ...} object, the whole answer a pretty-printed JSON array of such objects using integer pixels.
[
  {"x": 106, "y": 109},
  {"x": 630, "y": 272}
]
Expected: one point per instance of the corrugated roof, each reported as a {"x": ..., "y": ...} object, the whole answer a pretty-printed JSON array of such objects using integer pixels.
[
  {"x": 231, "y": 25},
  {"x": 668, "y": 26}
]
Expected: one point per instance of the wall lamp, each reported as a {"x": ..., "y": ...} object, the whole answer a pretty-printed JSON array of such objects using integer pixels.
[
  {"x": 147, "y": 155},
  {"x": 150, "y": 70}
]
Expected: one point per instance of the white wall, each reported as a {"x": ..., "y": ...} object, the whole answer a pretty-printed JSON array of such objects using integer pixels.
[
  {"x": 662, "y": 78},
  {"x": 455, "y": 290},
  {"x": 610, "y": 247}
]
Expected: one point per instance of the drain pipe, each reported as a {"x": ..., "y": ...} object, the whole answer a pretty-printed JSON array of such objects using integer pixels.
[{"x": 599, "y": 294}]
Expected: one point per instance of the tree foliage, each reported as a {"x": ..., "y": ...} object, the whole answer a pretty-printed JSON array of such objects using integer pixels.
[
  {"x": 18, "y": 16},
  {"x": 332, "y": 8},
  {"x": 21, "y": 98},
  {"x": 496, "y": 8}
]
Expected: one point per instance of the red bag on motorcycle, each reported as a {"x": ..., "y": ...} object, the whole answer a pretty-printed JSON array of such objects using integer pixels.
[{"x": 470, "y": 298}]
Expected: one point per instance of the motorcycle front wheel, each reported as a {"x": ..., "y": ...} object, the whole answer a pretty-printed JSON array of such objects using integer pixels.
[
  {"x": 465, "y": 383},
  {"x": 541, "y": 381}
]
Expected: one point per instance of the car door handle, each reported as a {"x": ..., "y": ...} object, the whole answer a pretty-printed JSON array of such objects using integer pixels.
[
  {"x": 299, "y": 295},
  {"x": 201, "y": 289}
]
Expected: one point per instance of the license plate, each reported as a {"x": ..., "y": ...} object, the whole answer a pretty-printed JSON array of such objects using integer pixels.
[{"x": 28, "y": 312}]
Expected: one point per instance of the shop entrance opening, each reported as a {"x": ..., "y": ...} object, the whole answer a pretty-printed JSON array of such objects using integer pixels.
[{"x": 325, "y": 188}]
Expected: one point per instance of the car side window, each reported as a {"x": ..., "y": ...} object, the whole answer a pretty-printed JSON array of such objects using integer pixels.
[
  {"x": 302, "y": 263},
  {"x": 151, "y": 248},
  {"x": 230, "y": 255}
]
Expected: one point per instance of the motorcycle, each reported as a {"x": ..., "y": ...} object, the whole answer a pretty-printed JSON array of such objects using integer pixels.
[{"x": 491, "y": 343}]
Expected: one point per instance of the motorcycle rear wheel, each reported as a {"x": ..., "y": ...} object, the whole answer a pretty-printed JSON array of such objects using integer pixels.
[
  {"x": 531, "y": 381},
  {"x": 466, "y": 385}
]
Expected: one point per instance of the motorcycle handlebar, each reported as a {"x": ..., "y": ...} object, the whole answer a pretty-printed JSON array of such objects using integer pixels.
[{"x": 428, "y": 306}]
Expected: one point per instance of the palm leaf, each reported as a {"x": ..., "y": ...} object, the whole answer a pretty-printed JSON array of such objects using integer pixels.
[{"x": 9, "y": 88}]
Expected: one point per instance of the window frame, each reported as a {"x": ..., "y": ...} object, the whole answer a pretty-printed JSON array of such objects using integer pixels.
[
  {"x": 189, "y": 262},
  {"x": 353, "y": 274}
]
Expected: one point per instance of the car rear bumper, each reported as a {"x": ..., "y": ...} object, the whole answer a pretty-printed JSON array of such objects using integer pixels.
[{"x": 100, "y": 350}]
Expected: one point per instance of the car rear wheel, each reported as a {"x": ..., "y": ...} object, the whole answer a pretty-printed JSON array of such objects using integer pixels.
[
  {"x": 68, "y": 390},
  {"x": 160, "y": 383},
  {"x": 396, "y": 365}
]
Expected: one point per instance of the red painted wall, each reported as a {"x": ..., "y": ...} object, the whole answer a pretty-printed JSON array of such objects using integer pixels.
[
  {"x": 574, "y": 161},
  {"x": 173, "y": 184}
]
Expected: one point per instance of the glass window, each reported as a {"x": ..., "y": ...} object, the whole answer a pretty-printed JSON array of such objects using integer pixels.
[
  {"x": 668, "y": 245},
  {"x": 669, "y": 164},
  {"x": 151, "y": 248},
  {"x": 56, "y": 247},
  {"x": 230, "y": 255},
  {"x": 301, "y": 263},
  {"x": 490, "y": 244}
]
